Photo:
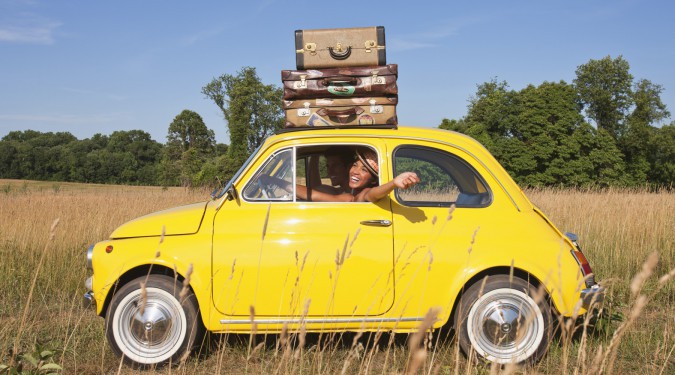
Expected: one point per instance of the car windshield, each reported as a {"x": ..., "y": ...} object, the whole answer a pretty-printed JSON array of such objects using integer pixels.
[{"x": 219, "y": 194}]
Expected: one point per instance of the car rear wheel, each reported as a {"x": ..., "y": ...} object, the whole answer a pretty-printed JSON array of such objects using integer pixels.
[
  {"x": 153, "y": 325},
  {"x": 501, "y": 320}
]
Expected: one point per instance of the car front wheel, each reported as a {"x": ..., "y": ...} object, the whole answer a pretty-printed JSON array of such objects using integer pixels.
[
  {"x": 152, "y": 325},
  {"x": 502, "y": 320}
]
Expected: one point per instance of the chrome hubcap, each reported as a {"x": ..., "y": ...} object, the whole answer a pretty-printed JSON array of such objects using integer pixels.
[
  {"x": 150, "y": 333},
  {"x": 505, "y": 325},
  {"x": 153, "y": 326},
  {"x": 501, "y": 322}
]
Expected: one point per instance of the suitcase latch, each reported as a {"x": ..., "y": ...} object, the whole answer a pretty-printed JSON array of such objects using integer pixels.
[
  {"x": 302, "y": 84},
  {"x": 375, "y": 109},
  {"x": 370, "y": 44},
  {"x": 377, "y": 80},
  {"x": 304, "y": 112},
  {"x": 309, "y": 47}
]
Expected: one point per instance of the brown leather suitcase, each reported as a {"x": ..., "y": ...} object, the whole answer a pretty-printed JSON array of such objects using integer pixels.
[
  {"x": 324, "y": 48},
  {"x": 340, "y": 82},
  {"x": 341, "y": 111}
]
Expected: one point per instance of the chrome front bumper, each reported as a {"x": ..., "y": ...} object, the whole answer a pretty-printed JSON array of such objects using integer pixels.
[
  {"x": 88, "y": 300},
  {"x": 591, "y": 296}
]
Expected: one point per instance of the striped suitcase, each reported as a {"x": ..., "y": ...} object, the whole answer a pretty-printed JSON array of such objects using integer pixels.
[{"x": 340, "y": 82}]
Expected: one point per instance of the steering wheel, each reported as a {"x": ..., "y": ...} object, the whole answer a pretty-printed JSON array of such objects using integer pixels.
[{"x": 266, "y": 191}]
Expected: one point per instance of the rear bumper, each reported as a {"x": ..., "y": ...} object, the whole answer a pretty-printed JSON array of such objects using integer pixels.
[{"x": 591, "y": 296}]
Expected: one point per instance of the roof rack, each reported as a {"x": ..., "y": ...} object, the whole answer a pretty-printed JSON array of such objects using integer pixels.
[{"x": 309, "y": 128}]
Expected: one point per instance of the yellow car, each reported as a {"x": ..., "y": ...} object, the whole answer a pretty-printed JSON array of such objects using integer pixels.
[{"x": 271, "y": 252}]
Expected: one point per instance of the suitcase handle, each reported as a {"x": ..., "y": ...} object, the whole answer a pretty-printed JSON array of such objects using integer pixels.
[
  {"x": 341, "y": 79},
  {"x": 341, "y": 54},
  {"x": 339, "y": 112}
]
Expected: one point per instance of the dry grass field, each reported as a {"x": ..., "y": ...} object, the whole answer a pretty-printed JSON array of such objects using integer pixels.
[{"x": 46, "y": 227}]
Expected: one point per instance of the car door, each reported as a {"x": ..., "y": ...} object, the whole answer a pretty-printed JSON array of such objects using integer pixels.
[
  {"x": 275, "y": 255},
  {"x": 435, "y": 223}
]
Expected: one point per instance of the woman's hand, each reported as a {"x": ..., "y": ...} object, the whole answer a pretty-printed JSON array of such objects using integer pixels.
[{"x": 406, "y": 180}]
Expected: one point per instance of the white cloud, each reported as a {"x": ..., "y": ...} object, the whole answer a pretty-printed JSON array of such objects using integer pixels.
[
  {"x": 22, "y": 23},
  {"x": 429, "y": 38},
  {"x": 32, "y": 34}
]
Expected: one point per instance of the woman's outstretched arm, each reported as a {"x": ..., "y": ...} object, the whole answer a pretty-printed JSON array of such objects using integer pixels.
[{"x": 403, "y": 181}]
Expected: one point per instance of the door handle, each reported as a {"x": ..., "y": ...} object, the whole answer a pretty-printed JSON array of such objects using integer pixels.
[{"x": 377, "y": 223}]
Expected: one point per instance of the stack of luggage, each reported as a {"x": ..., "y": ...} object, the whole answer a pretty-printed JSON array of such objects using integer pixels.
[{"x": 342, "y": 79}]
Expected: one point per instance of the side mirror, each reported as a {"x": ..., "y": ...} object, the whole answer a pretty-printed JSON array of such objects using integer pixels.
[{"x": 231, "y": 193}]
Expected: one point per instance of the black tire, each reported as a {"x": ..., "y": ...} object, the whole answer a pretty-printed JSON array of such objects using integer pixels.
[
  {"x": 167, "y": 330},
  {"x": 503, "y": 321}
]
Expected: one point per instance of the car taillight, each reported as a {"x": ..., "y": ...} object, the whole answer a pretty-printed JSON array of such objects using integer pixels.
[{"x": 581, "y": 260}]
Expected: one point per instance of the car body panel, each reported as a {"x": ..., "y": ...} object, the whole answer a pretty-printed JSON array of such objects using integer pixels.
[
  {"x": 174, "y": 221},
  {"x": 317, "y": 265}
]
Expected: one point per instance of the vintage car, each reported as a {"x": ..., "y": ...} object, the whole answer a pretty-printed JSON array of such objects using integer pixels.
[{"x": 465, "y": 244}]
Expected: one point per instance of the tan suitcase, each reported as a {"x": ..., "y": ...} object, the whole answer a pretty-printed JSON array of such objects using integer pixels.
[
  {"x": 325, "y": 48},
  {"x": 341, "y": 112}
]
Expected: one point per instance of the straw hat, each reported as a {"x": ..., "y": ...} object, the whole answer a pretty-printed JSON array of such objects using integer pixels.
[{"x": 369, "y": 159}]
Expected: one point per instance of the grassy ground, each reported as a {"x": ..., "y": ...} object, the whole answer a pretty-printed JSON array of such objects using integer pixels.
[{"x": 46, "y": 227}]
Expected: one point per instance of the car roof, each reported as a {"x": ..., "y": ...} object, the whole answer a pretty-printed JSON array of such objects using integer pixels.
[{"x": 399, "y": 132}]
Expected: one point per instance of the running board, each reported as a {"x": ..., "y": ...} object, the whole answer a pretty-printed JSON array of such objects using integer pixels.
[{"x": 320, "y": 320}]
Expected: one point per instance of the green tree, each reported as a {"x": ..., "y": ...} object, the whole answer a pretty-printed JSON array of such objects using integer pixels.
[
  {"x": 604, "y": 87},
  {"x": 9, "y": 166},
  {"x": 81, "y": 168},
  {"x": 125, "y": 157},
  {"x": 36, "y": 155},
  {"x": 540, "y": 136},
  {"x": 189, "y": 144},
  {"x": 252, "y": 110},
  {"x": 549, "y": 123},
  {"x": 635, "y": 144},
  {"x": 142, "y": 152},
  {"x": 459, "y": 126},
  {"x": 661, "y": 156},
  {"x": 607, "y": 159},
  {"x": 491, "y": 114}
]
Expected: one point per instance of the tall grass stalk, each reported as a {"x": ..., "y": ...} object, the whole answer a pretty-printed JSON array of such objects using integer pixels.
[
  {"x": 618, "y": 229},
  {"x": 29, "y": 298}
]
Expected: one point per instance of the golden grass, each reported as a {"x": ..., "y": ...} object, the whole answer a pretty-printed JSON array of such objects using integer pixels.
[{"x": 618, "y": 230}]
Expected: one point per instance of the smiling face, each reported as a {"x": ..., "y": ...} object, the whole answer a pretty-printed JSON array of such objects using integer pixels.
[{"x": 359, "y": 176}]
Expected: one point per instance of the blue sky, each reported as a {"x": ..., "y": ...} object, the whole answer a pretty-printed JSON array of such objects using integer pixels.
[{"x": 91, "y": 67}]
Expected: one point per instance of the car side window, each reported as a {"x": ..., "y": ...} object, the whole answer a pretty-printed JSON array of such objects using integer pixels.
[
  {"x": 445, "y": 179},
  {"x": 279, "y": 166},
  {"x": 324, "y": 169}
]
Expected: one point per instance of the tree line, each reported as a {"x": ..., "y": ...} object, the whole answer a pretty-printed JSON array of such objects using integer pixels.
[
  {"x": 189, "y": 157},
  {"x": 543, "y": 134},
  {"x": 600, "y": 130}
]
